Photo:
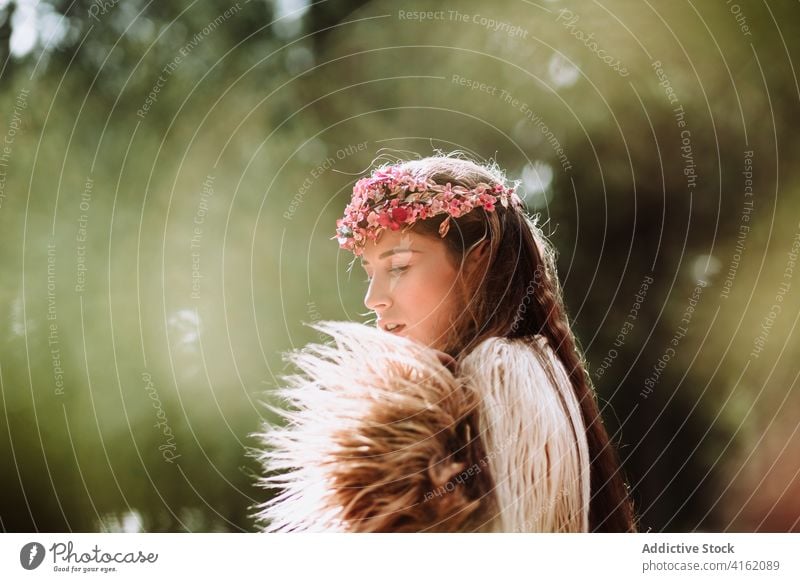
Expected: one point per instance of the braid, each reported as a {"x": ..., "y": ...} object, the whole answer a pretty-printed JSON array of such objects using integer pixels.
[{"x": 610, "y": 507}]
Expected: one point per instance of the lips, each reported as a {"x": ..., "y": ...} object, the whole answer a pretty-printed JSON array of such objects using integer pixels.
[{"x": 389, "y": 327}]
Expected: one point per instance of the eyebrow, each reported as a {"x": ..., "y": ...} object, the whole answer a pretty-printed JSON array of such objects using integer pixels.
[{"x": 389, "y": 253}]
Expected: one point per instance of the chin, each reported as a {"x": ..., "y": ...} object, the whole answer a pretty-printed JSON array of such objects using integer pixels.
[
  {"x": 415, "y": 337},
  {"x": 421, "y": 338}
]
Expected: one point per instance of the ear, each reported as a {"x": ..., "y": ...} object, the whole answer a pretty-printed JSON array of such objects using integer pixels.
[{"x": 477, "y": 257}]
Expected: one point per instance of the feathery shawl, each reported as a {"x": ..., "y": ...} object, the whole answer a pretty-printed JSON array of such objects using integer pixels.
[{"x": 381, "y": 436}]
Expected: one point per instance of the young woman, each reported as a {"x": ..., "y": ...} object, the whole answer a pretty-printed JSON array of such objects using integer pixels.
[{"x": 467, "y": 407}]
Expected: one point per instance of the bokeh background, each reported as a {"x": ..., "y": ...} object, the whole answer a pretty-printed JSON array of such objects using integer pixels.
[{"x": 170, "y": 174}]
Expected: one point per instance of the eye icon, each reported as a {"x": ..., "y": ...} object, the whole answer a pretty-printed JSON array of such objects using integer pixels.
[{"x": 31, "y": 555}]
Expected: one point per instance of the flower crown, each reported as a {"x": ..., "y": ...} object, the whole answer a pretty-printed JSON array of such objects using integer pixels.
[{"x": 394, "y": 198}]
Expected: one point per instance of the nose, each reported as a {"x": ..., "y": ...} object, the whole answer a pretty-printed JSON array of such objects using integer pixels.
[{"x": 378, "y": 297}]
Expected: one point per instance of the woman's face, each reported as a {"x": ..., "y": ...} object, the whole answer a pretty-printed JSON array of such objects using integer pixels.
[{"x": 412, "y": 283}]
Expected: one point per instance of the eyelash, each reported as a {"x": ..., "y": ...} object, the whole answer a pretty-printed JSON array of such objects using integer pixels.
[{"x": 394, "y": 270}]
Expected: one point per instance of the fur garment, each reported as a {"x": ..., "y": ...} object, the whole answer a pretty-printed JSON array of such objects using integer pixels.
[{"x": 380, "y": 436}]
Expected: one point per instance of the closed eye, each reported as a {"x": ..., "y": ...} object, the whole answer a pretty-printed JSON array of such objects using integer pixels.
[{"x": 395, "y": 271}]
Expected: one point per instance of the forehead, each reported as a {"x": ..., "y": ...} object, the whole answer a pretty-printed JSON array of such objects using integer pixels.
[{"x": 394, "y": 242}]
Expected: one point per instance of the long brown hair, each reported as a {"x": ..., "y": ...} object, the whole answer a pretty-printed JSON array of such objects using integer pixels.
[{"x": 515, "y": 293}]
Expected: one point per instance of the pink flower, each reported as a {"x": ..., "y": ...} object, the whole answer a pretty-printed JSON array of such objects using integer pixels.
[
  {"x": 399, "y": 214},
  {"x": 384, "y": 219}
]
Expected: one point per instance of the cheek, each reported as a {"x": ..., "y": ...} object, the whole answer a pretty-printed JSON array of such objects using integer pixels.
[{"x": 434, "y": 297}]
